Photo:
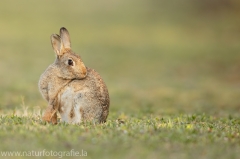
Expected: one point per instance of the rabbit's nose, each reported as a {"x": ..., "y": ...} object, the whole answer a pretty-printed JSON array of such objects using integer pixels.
[{"x": 84, "y": 70}]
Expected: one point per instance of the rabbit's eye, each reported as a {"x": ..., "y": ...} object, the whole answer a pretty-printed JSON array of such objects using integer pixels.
[{"x": 70, "y": 62}]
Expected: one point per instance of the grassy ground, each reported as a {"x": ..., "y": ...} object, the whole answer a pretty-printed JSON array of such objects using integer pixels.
[
  {"x": 179, "y": 136},
  {"x": 172, "y": 70}
]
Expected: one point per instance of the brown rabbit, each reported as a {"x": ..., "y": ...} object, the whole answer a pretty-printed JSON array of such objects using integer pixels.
[{"x": 78, "y": 93}]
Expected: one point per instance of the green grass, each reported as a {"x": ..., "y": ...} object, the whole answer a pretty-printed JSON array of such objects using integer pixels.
[
  {"x": 182, "y": 136},
  {"x": 172, "y": 70}
]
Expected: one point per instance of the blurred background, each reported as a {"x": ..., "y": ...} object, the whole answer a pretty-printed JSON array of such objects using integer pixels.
[{"x": 157, "y": 57}]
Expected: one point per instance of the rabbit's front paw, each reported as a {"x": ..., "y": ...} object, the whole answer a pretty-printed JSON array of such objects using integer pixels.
[{"x": 50, "y": 115}]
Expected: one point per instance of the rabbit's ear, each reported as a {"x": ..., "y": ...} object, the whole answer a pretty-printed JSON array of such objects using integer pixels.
[
  {"x": 57, "y": 44},
  {"x": 65, "y": 38}
]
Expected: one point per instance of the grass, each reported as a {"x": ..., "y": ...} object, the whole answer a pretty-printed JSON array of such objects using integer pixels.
[
  {"x": 184, "y": 136},
  {"x": 172, "y": 70}
]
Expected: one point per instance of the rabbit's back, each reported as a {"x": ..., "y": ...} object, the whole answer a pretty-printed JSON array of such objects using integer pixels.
[{"x": 84, "y": 100}]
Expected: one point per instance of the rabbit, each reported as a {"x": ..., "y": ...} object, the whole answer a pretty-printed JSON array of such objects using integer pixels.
[{"x": 77, "y": 92}]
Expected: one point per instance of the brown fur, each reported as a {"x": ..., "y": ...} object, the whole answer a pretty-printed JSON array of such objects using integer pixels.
[{"x": 76, "y": 90}]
